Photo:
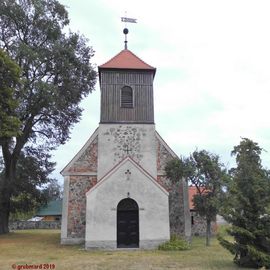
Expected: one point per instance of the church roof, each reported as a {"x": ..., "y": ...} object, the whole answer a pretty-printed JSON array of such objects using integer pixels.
[{"x": 127, "y": 60}]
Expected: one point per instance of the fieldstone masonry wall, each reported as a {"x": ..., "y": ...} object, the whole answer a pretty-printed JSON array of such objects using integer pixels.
[
  {"x": 163, "y": 156},
  {"x": 165, "y": 182},
  {"x": 176, "y": 210},
  {"x": 79, "y": 183},
  {"x": 198, "y": 228},
  {"x": 179, "y": 216},
  {"x": 87, "y": 162},
  {"x": 29, "y": 225},
  {"x": 78, "y": 187}
]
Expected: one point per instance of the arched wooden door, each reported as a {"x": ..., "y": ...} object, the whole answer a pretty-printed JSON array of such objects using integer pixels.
[{"x": 127, "y": 224}]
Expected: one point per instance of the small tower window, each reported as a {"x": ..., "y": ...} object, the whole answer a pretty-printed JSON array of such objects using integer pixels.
[{"x": 126, "y": 97}]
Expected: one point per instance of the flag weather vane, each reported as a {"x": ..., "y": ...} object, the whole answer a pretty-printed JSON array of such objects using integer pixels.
[
  {"x": 125, "y": 31},
  {"x": 130, "y": 20}
]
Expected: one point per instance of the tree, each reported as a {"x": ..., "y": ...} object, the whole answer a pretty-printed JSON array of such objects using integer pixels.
[
  {"x": 53, "y": 191},
  {"x": 208, "y": 175},
  {"x": 56, "y": 75},
  {"x": 248, "y": 212},
  {"x": 32, "y": 174},
  {"x": 9, "y": 77}
]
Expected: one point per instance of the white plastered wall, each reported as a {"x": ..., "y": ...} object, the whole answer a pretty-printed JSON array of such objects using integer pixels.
[{"x": 102, "y": 201}]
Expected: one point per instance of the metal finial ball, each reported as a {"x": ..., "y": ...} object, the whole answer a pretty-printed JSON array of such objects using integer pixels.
[{"x": 125, "y": 31}]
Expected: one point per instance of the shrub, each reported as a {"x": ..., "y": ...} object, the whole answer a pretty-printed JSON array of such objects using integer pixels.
[{"x": 176, "y": 243}]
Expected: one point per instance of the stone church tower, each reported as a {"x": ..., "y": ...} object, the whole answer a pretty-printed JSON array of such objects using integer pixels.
[{"x": 116, "y": 194}]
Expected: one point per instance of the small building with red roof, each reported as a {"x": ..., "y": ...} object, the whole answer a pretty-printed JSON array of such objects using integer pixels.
[{"x": 198, "y": 223}]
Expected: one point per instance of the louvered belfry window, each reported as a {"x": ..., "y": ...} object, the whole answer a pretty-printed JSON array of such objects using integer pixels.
[{"x": 126, "y": 97}]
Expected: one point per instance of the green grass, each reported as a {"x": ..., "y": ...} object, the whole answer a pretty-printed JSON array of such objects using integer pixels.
[
  {"x": 222, "y": 230},
  {"x": 43, "y": 247}
]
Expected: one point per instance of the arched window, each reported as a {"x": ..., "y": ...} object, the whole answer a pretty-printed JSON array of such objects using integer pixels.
[{"x": 126, "y": 97}]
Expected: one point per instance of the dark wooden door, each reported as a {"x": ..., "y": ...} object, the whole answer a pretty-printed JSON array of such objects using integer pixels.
[{"x": 127, "y": 228}]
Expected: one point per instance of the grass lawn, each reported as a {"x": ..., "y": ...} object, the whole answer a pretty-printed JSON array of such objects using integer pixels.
[{"x": 36, "y": 247}]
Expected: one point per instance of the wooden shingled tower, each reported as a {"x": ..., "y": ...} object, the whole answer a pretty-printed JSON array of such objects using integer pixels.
[{"x": 134, "y": 78}]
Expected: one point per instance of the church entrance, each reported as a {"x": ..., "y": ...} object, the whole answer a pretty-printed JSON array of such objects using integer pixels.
[{"x": 127, "y": 224}]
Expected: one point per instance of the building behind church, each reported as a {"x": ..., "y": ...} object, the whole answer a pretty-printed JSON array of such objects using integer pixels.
[{"x": 116, "y": 194}]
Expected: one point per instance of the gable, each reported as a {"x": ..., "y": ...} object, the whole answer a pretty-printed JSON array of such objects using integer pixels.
[
  {"x": 164, "y": 154},
  {"x": 85, "y": 161},
  {"x": 135, "y": 167},
  {"x": 103, "y": 200}
]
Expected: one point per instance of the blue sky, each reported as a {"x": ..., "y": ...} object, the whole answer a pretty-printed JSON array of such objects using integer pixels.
[{"x": 212, "y": 85}]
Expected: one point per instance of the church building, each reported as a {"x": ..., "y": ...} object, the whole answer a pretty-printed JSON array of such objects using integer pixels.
[{"x": 116, "y": 194}]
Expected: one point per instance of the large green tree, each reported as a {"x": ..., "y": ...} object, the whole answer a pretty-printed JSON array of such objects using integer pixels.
[
  {"x": 9, "y": 78},
  {"x": 53, "y": 191},
  {"x": 56, "y": 75},
  {"x": 248, "y": 208},
  {"x": 32, "y": 187},
  {"x": 205, "y": 171}
]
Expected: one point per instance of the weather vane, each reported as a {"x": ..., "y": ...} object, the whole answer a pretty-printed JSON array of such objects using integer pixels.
[{"x": 125, "y": 31}]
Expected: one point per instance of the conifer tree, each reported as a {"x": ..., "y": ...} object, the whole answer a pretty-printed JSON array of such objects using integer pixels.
[{"x": 247, "y": 209}]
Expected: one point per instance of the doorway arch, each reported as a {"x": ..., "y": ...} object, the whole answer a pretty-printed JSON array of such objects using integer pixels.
[{"x": 127, "y": 224}]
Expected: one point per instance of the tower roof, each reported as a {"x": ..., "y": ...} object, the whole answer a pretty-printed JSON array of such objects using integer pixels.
[{"x": 127, "y": 60}]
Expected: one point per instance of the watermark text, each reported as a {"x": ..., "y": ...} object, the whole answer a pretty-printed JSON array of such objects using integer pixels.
[{"x": 47, "y": 266}]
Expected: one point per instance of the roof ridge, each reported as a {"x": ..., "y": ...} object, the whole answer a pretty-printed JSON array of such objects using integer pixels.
[
  {"x": 110, "y": 59},
  {"x": 140, "y": 59}
]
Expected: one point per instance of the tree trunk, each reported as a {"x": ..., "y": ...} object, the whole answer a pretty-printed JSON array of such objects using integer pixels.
[
  {"x": 208, "y": 232},
  {"x": 4, "y": 215},
  {"x": 6, "y": 184},
  {"x": 7, "y": 180},
  {"x": 5, "y": 195}
]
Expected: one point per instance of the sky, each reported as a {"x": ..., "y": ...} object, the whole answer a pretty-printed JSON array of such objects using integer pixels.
[{"x": 212, "y": 85}]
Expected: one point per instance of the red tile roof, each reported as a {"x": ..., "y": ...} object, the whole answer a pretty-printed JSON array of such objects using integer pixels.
[
  {"x": 191, "y": 192},
  {"x": 127, "y": 60}
]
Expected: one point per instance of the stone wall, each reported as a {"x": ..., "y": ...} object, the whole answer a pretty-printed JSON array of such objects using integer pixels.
[
  {"x": 163, "y": 156},
  {"x": 198, "y": 225},
  {"x": 28, "y": 225},
  {"x": 176, "y": 207},
  {"x": 78, "y": 186},
  {"x": 88, "y": 159},
  {"x": 164, "y": 182},
  {"x": 178, "y": 195}
]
